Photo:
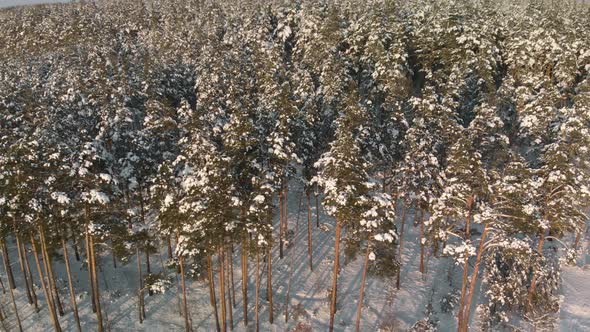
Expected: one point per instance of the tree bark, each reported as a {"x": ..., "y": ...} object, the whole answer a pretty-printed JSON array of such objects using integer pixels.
[
  {"x": 88, "y": 258},
  {"x": 363, "y": 282},
  {"x": 401, "y": 245},
  {"x": 48, "y": 299},
  {"x": 49, "y": 269},
  {"x": 309, "y": 238},
  {"x": 533, "y": 285},
  {"x": 141, "y": 310},
  {"x": 256, "y": 301},
  {"x": 7, "y": 265},
  {"x": 245, "y": 277},
  {"x": 148, "y": 265},
  {"x": 28, "y": 269},
  {"x": 21, "y": 260},
  {"x": 229, "y": 298},
  {"x": 291, "y": 264},
  {"x": 75, "y": 245},
  {"x": 317, "y": 206},
  {"x": 3, "y": 289},
  {"x": 71, "y": 285},
  {"x": 231, "y": 272},
  {"x": 187, "y": 326},
  {"x": 467, "y": 308},
  {"x": 169, "y": 246},
  {"x": 88, "y": 264},
  {"x": 20, "y": 328},
  {"x": 146, "y": 244},
  {"x": 212, "y": 298},
  {"x": 286, "y": 211},
  {"x": 464, "y": 277},
  {"x": 269, "y": 285},
  {"x": 90, "y": 243},
  {"x": 335, "y": 275},
  {"x": 422, "y": 269},
  {"x": 222, "y": 288},
  {"x": 281, "y": 217}
]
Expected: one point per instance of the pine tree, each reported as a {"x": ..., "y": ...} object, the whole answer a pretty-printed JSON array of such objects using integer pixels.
[
  {"x": 344, "y": 179},
  {"x": 464, "y": 196}
]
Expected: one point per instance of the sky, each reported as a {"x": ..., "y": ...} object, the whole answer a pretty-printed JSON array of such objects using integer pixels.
[{"x": 8, "y": 3}]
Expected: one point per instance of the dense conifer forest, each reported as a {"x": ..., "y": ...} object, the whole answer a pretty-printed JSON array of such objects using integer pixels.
[{"x": 294, "y": 165}]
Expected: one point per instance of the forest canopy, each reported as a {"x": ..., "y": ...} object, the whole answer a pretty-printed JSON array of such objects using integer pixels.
[{"x": 182, "y": 124}]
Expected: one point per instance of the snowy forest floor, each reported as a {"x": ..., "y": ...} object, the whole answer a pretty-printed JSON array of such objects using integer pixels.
[{"x": 385, "y": 308}]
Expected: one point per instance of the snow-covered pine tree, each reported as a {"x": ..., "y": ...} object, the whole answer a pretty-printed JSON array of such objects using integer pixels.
[
  {"x": 420, "y": 171},
  {"x": 343, "y": 176},
  {"x": 465, "y": 192},
  {"x": 508, "y": 252}
]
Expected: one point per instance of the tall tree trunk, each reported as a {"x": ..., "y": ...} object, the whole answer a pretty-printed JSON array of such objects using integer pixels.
[
  {"x": 256, "y": 301},
  {"x": 222, "y": 289},
  {"x": 179, "y": 292},
  {"x": 48, "y": 299},
  {"x": 229, "y": 299},
  {"x": 401, "y": 245},
  {"x": 422, "y": 269},
  {"x": 231, "y": 273},
  {"x": 317, "y": 206},
  {"x": 21, "y": 261},
  {"x": 49, "y": 269},
  {"x": 147, "y": 242},
  {"x": 28, "y": 270},
  {"x": 281, "y": 217},
  {"x": 75, "y": 244},
  {"x": 292, "y": 262},
  {"x": 464, "y": 278},
  {"x": 533, "y": 285},
  {"x": 20, "y": 328},
  {"x": 7, "y": 265},
  {"x": 18, "y": 322},
  {"x": 148, "y": 265},
  {"x": 363, "y": 282},
  {"x": 169, "y": 246},
  {"x": 309, "y": 238},
  {"x": 335, "y": 274},
  {"x": 141, "y": 308},
  {"x": 463, "y": 291},
  {"x": 212, "y": 290},
  {"x": 269, "y": 285},
  {"x": 3, "y": 289},
  {"x": 187, "y": 325},
  {"x": 286, "y": 210},
  {"x": 467, "y": 309},
  {"x": 177, "y": 241},
  {"x": 93, "y": 268},
  {"x": 245, "y": 278},
  {"x": 71, "y": 285},
  {"x": 88, "y": 263}
]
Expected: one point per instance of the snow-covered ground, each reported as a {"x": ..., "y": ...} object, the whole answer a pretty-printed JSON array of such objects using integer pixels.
[
  {"x": 575, "y": 308},
  {"x": 386, "y": 309}
]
